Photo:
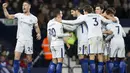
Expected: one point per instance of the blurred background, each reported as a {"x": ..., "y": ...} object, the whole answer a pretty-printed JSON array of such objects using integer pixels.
[{"x": 43, "y": 10}]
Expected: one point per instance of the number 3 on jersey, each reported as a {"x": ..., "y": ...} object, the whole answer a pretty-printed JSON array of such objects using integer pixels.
[
  {"x": 52, "y": 32},
  {"x": 96, "y": 22}
]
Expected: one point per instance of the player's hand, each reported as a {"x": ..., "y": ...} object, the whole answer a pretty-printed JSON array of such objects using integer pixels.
[
  {"x": 5, "y": 5},
  {"x": 68, "y": 45},
  {"x": 70, "y": 34},
  {"x": 38, "y": 36},
  {"x": 104, "y": 14}
]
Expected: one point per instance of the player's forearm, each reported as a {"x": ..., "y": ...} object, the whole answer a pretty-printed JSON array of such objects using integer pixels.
[
  {"x": 111, "y": 18},
  {"x": 7, "y": 15},
  {"x": 37, "y": 29},
  {"x": 6, "y": 12},
  {"x": 109, "y": 37},
  {"x": 69, "y": 27},
  {"x": 108, "y": 32},
  {"x": 65, "y": 39},
  {"x": 106, "y": 20},
  {"x": 63, "y": 35},
  {"x": 72, "y": 22}
]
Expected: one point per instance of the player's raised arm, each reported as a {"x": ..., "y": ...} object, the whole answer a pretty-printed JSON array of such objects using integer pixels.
[
  {"x": 70, "y": 27},
  {"x": 37, "y": 29},
  {"x": 7, "y": 15},
  {"x": 61, "y": 35},
  {"x": 108, "y": 32},
  {"x": 111, "y": 18},
  {"x": 73, "y": 22},
  {"x": 64, "y": 35},
  {"x": 105, "y": 20},
  {"x": 109, "y": 14},
  {"x": 109, "y": 29},
  {"x": 117, "y": 19}
]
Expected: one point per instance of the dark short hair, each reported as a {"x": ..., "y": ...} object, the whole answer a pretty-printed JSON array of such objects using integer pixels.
[
  {"x": 88, "y": 8},
  {"x": 100, "y": 5},
  {"x": 56, "y": 12},
  {"x": 76, "y": 8},
  {"x": 26, "y": 1},
  {"x": 111, "y": 10}
]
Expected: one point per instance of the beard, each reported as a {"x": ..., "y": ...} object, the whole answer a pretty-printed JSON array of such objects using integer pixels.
[{"x": 25, "y": 11}]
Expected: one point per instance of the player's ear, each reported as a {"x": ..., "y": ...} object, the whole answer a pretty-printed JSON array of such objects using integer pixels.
[
  {"x": 29, "y": 6},
  {"x": 102, "y": 10}
]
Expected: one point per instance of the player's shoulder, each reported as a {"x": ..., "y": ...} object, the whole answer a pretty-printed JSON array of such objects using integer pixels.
[
  {"x": 19, "y": 13},
  {"x": 92, "y": 15},
  {"x": 51, "y": 22},
  {"x": 81, "y": 16},
  {"x": 117, "y": 19},
  {"x": 33, "y": 16}
]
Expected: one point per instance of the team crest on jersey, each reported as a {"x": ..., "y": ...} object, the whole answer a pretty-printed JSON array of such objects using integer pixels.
[{"x": 30, "y": 20}]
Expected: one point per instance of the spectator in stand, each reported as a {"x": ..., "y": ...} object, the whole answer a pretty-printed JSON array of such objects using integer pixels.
[
  {"x": 45, "y": 15},
  {"x": 125, "y": 9},
  {"x": 23, "y": 63},
  {"x": 35, "y": 7},
  {"x": 10, "y": 66},
  {"x": 76, "y": 2},
  {"x": 41, "y": 18},
  {"x": 127, "y": 43},
  {"x": 3, "y": 64},
  {"x": 4, "y": 51},
  {"x": 59, "y": 2},
  {"x": 128, "y": 8},
  {"x": 53, "y": 7}
]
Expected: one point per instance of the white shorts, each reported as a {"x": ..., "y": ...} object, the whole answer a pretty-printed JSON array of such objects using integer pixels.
[
  {"x": 106, "y": 48},
  {"x": 24, "y": 45},
  {"x": 95, "y": 45},
  {"x": 117, "y": 48},
  {"x": 82, "y": 49},
  {"x": 57, "y": 51}
]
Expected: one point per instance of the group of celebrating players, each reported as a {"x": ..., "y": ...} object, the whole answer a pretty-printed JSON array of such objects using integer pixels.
[{"x": 99, "y": 34}]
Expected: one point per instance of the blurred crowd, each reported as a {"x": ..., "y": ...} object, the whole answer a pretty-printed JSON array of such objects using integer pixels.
[
  {"x": 6, "y": 61},
  {"x": 43, "y": 10}
]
